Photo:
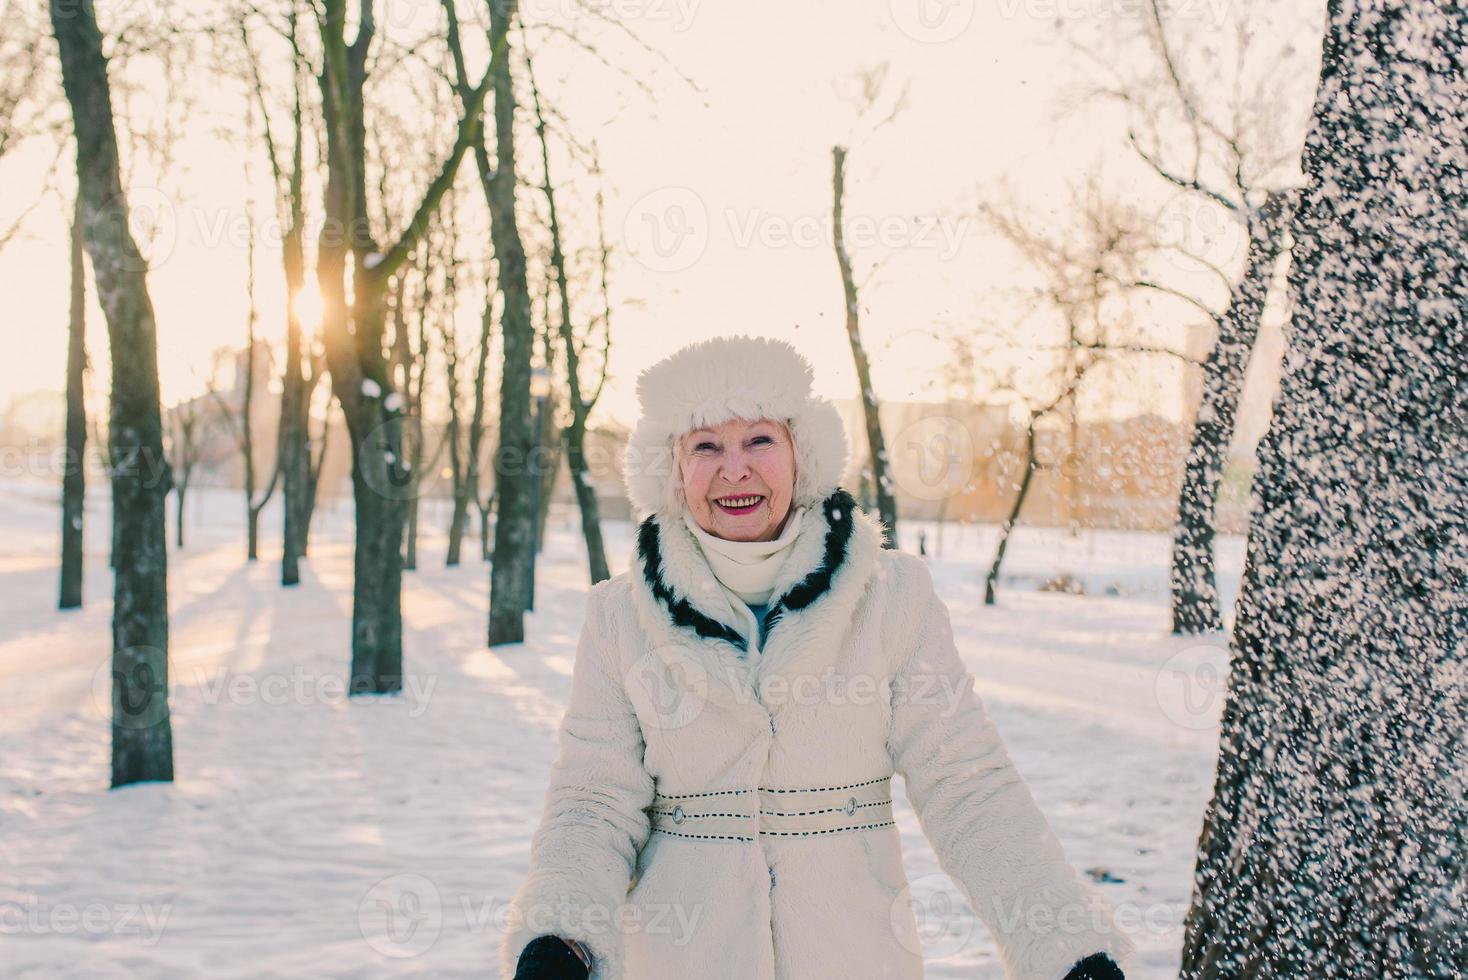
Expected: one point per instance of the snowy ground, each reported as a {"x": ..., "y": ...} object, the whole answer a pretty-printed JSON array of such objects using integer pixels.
[{"x": 307, "y": 836}]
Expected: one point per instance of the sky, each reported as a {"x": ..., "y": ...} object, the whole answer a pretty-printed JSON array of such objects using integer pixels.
[{"x": 715, "y": 133}]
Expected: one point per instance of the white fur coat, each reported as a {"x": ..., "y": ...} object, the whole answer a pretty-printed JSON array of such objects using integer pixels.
[{"x": 665, "y": 700}]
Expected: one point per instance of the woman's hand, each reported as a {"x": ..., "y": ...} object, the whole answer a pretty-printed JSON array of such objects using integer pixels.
[
  {"x": 553, "y": 958},
  {"x": 1097, "y": 966}
]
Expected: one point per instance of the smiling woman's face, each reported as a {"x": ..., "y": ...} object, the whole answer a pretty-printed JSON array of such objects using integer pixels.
[{"x": 733, "y": 461}]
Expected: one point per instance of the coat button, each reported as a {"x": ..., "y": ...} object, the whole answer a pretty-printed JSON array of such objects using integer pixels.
[
  {"x": 677, "y": 814},
  {"x": 851, "y": 807}
]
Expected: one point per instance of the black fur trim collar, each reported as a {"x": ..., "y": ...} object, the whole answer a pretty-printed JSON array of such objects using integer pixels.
[{"x": 839, "y": 510}]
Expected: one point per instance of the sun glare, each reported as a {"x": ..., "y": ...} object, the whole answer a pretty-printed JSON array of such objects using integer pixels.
[{"x": 306, "y": 305}]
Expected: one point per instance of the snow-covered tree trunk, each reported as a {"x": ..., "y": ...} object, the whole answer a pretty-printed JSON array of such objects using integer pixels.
[
  {"x": 1195, "y": 607},
  {"x": 1335, "y": 841},
  {"x": 142, "y": 734},
  {"x": 74, "y": 475}
]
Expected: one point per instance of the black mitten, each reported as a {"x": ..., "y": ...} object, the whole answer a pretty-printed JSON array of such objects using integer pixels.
[
  {"x": 1097, "y": 966},
  {"x": 549, "y": 958}
]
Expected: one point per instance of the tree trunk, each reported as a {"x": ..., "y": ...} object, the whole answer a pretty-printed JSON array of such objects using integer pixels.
[
  {"x": 991, "y": 584},
  {"x": 1334, "y": 842},
  {"x": 596, "y": 551},
  {"x": 74, "y": 475},
  {"x": 313, "y": 480},
  {"x": 1195, "y": 605},
  {"x": 574, "y": 434},
  {"x": 360, "y": 374},
  {"x": 410, "y": 545},
  {"x": 509, "y": 592},
  {"x": 142, "y": 734},
  {"x": 295, "y": 458},
  {"x": 179, "y": 492},
  {"x": 548, "y": 467},
  {"x": 468, "y": 491},
  {"x": 882, "y": 483},
  {"x": 486, "y": 552},
  {"x": 293, "y": 452}
]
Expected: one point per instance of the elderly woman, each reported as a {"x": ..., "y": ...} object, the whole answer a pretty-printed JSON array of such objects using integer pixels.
[{"x": 741, "y": 698}]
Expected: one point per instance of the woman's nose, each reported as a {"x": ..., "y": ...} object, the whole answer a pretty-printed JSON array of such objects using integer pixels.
[{"x": 735, "y": 465}]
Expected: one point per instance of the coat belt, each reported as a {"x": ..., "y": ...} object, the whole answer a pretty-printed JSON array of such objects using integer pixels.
[{"x": 744, "y": 814}]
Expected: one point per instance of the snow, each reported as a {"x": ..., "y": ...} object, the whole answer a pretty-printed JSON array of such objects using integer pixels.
[
  {"x": 393, "y": 402},
  {"x": 370, "y": 388},
  {"x": 312, "y": 835}
]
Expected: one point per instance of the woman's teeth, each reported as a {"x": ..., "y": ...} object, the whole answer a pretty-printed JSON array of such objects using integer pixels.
[{"x": 739, "y": 505}]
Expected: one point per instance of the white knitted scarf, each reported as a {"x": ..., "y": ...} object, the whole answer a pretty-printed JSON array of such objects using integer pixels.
[{"x": 747, "y": 568}]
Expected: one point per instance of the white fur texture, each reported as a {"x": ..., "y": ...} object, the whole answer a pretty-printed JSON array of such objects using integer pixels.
[
  {"x": 713, "y": 381},
  {"x": 654, "y": 705}
]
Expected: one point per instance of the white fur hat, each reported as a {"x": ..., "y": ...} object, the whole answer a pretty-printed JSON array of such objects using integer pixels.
[{"x": 713, "y": 381}]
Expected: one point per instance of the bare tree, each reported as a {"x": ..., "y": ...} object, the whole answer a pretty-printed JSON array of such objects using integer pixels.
[
  {"x": 190, "y": 425},
  {"x": 142, "y": 735},
  {"x": 514, "y": 459},
  {"x": 354, "y": 333},
  {"x": 1084, "y": 274},
  {"x": 465, "y": 447},
  {"x": 411, "y": 354},
  {"x": 1222, "y": 133},
  {"x": 1335, "y": 836},
  {"x": 239, "y": 419},
  {"x": 30, "y": 101},
  {"x": 886, "y": 498},
  {"x": 574, "y": 435},
  {"x": 302, "y": 368},
  {"x": 869, "y": 95}
]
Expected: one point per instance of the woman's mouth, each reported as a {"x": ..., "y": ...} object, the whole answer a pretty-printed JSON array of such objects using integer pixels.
[{"x": 738, "y": 506}]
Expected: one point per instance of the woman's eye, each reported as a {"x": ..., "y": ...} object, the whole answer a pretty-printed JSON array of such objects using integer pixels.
[
  {"x": 702, "y": 446},
  {"x": 760, "y": 439}
]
